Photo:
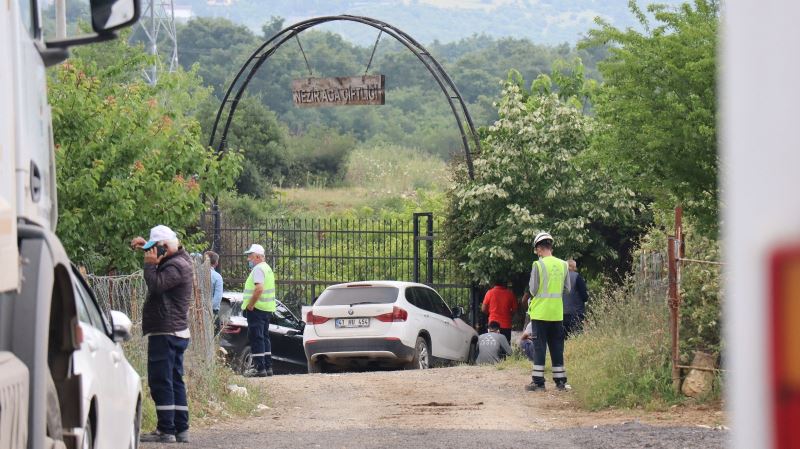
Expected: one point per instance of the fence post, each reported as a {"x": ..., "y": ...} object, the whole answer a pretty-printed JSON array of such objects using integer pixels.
[
  {"x": 416, "y": 247},
  {"x": 673, "y": 254},
  {"x": 429, "y": 244}
]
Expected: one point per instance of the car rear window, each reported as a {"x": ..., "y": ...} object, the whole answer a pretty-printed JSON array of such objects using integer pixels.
[{"x": 353, "y": 295}]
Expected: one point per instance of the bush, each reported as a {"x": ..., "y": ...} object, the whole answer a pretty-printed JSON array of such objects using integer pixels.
[
  {"x": 700, "y": 285},
  {"x": 623, "y": 356}
]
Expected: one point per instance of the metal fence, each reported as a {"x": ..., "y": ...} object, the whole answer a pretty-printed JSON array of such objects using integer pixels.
[
  {"x": 650, "y": 276},
  {"x": 307, "y": 255}
]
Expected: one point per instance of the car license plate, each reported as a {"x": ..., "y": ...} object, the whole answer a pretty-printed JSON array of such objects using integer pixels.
[{"x": 352, "y": 322}]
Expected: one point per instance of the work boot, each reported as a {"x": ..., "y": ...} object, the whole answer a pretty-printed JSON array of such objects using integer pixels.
[
  {"x": 563, "y": 386},
  {"x": 157, "y": 436},
  {"x": 257, "y": 373},
  {"x": 533, "y": 387},
  {"x": 182, "y": 437}
]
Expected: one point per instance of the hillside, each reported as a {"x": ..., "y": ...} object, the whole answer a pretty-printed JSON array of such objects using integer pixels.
[{"x": 542, "y": 21}]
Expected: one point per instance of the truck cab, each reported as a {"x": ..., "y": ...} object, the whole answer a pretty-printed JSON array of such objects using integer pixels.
[{"x": 40, "y": 394}]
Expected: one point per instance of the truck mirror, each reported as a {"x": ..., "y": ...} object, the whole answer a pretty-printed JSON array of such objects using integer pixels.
[{"x": 110, "y": 15}]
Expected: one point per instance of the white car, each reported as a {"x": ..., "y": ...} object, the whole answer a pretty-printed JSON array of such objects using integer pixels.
[
  {"x": 111, "y": 388},
  {"x": 384, "y": 323}
]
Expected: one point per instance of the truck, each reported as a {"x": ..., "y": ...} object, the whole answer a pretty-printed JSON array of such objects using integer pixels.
[
  {"x": 41, "y": 391},
  {"x": 760, "y": 177}
]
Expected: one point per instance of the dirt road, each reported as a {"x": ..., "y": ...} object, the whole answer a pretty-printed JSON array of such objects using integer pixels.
[{"x": 464, "y": 406}]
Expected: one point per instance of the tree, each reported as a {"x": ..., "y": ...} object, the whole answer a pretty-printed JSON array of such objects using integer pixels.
[
  {"x": 531, "y": 177},
  {"x": 218, "y": 46},
  {"x": 128, "y": 157},
  {"x": 657, "y": 107},
  {"x": 254, "y": 132}
]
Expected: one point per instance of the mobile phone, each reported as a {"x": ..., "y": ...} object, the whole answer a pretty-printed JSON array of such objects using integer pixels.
[{"x": 160, "y": 250}]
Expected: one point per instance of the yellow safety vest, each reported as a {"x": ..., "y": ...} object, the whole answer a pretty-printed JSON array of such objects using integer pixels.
[
  {"x": 266, "y": 301},
  {"x": 548, "y": 304}
]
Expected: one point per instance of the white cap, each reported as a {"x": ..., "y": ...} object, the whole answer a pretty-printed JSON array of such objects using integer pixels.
[
  {"x": 159, "y": 234},
  {"x": 255, "y": 248}
]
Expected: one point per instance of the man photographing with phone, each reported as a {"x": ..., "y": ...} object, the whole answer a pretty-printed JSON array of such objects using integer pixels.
[{"x": 165, "y": 323}]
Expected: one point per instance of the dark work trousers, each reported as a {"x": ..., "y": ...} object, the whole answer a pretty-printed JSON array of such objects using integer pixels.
[
  {"x": 573, "y": 324},
  {"x": 548, "y": 334},
  {"x": 165, "y": 378},
  {"x": 258, "y": 333},
  {"x": 507, "y": 333}
]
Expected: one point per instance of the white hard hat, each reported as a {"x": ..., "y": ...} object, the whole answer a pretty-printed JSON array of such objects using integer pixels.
[
  {"x": 541, "y": 237},
  {"x": 255, "y": 248}
]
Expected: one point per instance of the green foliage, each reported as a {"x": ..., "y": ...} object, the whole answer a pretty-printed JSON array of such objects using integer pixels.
[
  {"x": 530, "y": 178},
  {"x": 128, "y": 157},
  {"x": 700, "y": 285},
  {"x": 256, "y": 133},
  {"x": 217, "y": 46},
  {"x": 657, "y": 107},
  {"x": 622, "y": 358},
  {"x": 416, "y": 113},
  {"x": 321, "y": 151}
]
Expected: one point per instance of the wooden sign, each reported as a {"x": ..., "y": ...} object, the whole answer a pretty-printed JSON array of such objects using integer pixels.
[{"x": 338, "y": 91}]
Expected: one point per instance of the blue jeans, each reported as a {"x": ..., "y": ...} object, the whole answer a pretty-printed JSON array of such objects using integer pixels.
[
  {"x": 258, "y": 333},
  {"x": 527, "y": 348},
  {"x": 165, "y": 378}
]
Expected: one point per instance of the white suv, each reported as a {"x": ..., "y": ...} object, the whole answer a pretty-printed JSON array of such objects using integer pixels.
[{"x": 384, "y": 323}]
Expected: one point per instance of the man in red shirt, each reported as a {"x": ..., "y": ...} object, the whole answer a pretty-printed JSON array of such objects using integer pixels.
[{"x": 500, "y": 303}]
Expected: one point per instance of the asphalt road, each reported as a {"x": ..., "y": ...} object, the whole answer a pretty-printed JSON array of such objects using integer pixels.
[{"x": 629, "y": 436}]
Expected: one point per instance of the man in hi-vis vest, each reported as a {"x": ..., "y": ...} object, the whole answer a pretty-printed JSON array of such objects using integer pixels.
[
  {"x": 549, "y": 281},
  {"x": 258, "y": 302}
]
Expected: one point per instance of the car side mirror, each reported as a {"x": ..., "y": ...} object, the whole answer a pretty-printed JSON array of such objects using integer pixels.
[
  {"x": 458, "y": 312},
  {"x": 110, "y": 15},
  {"x": 121, "y": 325}
]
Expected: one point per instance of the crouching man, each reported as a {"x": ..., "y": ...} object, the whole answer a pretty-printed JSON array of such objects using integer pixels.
[{"x": 492, "y": 346}]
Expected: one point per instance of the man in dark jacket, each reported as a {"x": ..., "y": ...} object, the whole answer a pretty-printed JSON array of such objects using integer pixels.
[
  {"x": 165, "y": 323},
  {"x": 575, "y": 301}
]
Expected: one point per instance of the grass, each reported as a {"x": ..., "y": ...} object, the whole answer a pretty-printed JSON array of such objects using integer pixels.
[
  {"x": 326, "y": 202},
  {"x": 207, "y": 383},
  {"x": 622, "y": 358}
]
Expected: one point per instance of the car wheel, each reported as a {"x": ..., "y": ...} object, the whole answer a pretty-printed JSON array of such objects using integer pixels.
[
  {"x": 88, "y": 435},
  {"x": 245, "y": 360},
  {"x": 316, "y": 367},
  {"x": 422, "y": 355},
  {"x": 473, "y": 352}
]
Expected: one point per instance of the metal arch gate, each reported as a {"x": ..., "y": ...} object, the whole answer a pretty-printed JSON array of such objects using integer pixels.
[
  {"x": 257, "y": 59},
  {"x": 239, "y": 84}
]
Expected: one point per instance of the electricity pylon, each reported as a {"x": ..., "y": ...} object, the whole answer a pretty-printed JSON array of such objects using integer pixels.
[{"x": 158, "y": 23}]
